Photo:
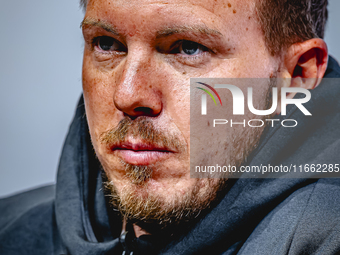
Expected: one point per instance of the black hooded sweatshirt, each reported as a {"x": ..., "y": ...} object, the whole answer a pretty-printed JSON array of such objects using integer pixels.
[{"x": 256, "y": 216}]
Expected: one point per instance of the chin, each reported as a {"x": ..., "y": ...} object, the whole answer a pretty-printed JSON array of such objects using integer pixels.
[{"x": 163, "y": 201}]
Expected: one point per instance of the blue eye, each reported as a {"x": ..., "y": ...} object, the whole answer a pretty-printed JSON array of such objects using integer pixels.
[
  {"x": 106, "y": 43},
  {"x": 191, "y": 48}
]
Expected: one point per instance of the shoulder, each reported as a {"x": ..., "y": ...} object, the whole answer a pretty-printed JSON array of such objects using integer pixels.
[
  {"x": 14, "y": 206},
  {"x": 27, "y": 222},
  {"x": 318, "y": 230},
  {"x": 307, "y": 222}
]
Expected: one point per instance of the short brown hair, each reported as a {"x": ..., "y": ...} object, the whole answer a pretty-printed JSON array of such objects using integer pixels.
[{"x": 285, "y": 22}]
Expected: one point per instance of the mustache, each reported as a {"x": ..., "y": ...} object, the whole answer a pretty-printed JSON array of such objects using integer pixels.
[{"x": 141, "y": 128}]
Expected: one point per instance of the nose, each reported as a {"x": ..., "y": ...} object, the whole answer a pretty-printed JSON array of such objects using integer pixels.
[{"x": 137, "y": 91}]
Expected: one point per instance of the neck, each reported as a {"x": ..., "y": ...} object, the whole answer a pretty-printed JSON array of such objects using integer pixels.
[{"x": 137, "y": 229}]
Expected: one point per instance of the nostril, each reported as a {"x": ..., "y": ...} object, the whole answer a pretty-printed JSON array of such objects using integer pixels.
[
  {"x": 140, "y": 111},
  {"x": 144, "y": 111}
]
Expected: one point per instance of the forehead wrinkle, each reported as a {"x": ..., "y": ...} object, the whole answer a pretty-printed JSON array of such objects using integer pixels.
[{"x": 98, "y": 23}]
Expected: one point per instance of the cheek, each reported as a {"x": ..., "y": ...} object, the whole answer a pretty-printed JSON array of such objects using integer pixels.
[
  {"x": 98, "y": 95},
  {"x": 253, "y": 65},
  {"x": 177, "y": 103},
  {"x": 255, "y": 60}
]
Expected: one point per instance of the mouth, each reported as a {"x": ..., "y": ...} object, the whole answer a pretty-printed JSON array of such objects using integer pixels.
[{"x": 136, "y": 152}]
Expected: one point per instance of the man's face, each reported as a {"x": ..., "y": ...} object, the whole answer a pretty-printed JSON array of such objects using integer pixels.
[{"x": 138, "y": 59}]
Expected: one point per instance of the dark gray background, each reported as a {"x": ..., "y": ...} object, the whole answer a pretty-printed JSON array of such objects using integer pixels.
[{"x": 40, "y": 76}]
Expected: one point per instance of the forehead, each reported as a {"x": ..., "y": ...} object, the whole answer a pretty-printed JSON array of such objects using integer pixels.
[
  {"x": 217, "y": 14},
  {"x": 211, "y": 5}
]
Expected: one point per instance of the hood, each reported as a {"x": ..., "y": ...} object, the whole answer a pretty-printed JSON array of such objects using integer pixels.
[{"x": 87, "y": 224}]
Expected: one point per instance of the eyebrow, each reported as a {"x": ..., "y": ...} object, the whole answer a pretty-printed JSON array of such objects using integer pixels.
[
  {"x": 168, "y": 31},
  {"x": 184, "y": 29},
  {"x": 98, "y": 23}
]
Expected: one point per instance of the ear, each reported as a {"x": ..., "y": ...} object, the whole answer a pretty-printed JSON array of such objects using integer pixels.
[{"x": 304, "y": 64}]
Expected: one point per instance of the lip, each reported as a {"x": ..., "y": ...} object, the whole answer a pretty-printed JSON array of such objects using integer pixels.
[{"x": 139, "y": 153}]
